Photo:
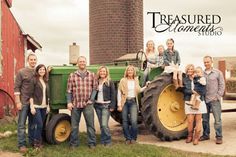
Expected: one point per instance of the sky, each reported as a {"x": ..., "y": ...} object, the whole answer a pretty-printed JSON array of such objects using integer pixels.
[{"x": 56, "y": 24}]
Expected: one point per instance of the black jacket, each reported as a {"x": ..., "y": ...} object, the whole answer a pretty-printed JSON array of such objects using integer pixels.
[
  {"x": 109, "y": 94},
  {"x": 38, "y": 92}
]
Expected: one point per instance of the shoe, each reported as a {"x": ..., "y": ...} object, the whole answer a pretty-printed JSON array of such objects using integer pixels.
[
  {"x": 127, "y": 141},
  {"x": 204, "y": 138},
  {"x": 92, "y": 146},
  {"x": 133, "y": 142},
  {"x": 71, "y": 147},
  {"x": 107, "y": 145},
  {"x": 219, "y": 140},
  {"x": 23, "y": 149}
]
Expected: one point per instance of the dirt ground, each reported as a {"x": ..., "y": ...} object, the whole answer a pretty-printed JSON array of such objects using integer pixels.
[{"x": 145, "y": 137}]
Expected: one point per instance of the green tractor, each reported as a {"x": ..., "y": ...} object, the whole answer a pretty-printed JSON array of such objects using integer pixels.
[{"x": 161, "y": 107}]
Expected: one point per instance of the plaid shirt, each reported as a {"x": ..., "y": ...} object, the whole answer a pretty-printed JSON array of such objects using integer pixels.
[{"x": 81, "y": 88}]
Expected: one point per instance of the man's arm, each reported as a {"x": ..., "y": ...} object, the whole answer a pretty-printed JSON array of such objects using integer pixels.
[
  {"x": 69, "y": 95},
  {"x": 17, "y": 87},
  {"x": 221, "y": 85}
]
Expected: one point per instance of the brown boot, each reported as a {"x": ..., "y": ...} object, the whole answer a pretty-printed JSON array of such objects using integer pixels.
[
  {"x": 175, "y": 81},
  {"x": 189, "y": 139},
  {"x": 196, "y": 137}
]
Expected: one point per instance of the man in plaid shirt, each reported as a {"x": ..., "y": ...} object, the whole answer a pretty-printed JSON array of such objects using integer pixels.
[{"x": 80, "y": 88}]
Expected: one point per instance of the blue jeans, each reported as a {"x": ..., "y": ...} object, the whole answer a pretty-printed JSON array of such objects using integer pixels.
[
  {"x": 23, "y": 113},
  {"x": 103, "y": 114},
  {"x": 38, "y": 121},
  {"x": 215, "y": 106},
  {"x": 88, "y": 113},
  {"x": 130, "y": 115}
]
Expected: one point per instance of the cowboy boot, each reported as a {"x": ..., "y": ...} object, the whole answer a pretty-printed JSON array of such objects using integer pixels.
[
  {"x": 190, "y": 133},
  {"x": 190, "y": 137},
  {"x": 196, "y": 137}
]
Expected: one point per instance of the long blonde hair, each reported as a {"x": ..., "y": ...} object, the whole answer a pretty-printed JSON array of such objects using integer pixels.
[
  {"x": 126, "y": 71},
  {"x": 147, "y": 50},
  {"x": 107, "y": 79},
  {"x": 188, "y": 66}
]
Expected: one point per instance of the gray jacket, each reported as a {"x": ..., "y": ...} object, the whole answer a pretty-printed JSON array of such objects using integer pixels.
[{"x": 168, "y": 57}]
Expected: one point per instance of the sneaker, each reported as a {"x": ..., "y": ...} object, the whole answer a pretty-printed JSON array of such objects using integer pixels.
[
  {"x": 204, "y": 138},
  {"x": 92, "y": 146},
  {"x": 219, "y": 140},
  {"x": 107, "y": 145},
  {"x": 127, "y": 142},
  {"x": 23, "y": 149},
  {"x": 133, "y": 142}
]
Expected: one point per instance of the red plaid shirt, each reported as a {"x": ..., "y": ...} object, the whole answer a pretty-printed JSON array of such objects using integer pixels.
[{"x": 81, "y": 88}]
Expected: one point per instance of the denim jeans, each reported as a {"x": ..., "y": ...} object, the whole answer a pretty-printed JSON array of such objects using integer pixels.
[
  {"x": 215, "y": 106},
  {"x": 23, "y": 113},
  {"x": 103, "y": 115},
  {"x": 130, "y": 116},
  {"x": 37, "y": 123},
  {"x": 88, "y": 113}
]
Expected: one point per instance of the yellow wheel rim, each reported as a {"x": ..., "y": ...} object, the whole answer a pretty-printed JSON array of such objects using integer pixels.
[
  {"x": 170, "y": 109},
  {"x": 62, "y": 131}
]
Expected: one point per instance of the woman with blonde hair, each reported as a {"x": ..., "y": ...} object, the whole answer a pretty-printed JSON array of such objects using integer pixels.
[
  {"x": 151, "y": 59},
  {"x": 104, "y": 103},
  {"x": 127, "y": 103},
  {"x": 193, "y": 116}
]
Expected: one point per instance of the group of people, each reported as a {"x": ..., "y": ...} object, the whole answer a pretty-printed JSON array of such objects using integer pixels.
[
  {"x": 87, "y": 91},
  {"x": 202, "y": 89},
  {"x": 31, "y": 92}
]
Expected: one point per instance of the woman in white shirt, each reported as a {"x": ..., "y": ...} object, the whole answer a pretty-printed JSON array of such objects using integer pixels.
[
  {"x": 127, "y": 103},
  {"x": 39, "y": 103},
  {"x": 104, "y": 103}
]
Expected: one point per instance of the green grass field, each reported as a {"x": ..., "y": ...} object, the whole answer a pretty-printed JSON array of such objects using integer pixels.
[{"x": 118, "y": 149}]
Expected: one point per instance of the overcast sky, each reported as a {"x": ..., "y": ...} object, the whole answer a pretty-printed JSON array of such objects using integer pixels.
[{"x": 55, "y": 24}]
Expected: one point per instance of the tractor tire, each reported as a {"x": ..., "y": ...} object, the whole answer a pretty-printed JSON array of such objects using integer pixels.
[
  {"x": 58, "y": 129},
  {"x": 163, "y": 109},
  {"x": 116, "y": 115}
]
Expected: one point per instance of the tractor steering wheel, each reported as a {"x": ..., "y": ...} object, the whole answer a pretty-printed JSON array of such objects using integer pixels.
[{"x": 142, "y": 59}]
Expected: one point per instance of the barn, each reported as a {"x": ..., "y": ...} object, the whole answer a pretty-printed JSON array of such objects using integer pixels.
[{"x": 14, "y": 44}]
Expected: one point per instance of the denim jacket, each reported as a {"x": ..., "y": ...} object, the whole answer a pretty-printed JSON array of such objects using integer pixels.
[
  {"x": 108, "y": 93},
  {"x": 187, "y": 89},
  {"x": 168, "y": 58}
]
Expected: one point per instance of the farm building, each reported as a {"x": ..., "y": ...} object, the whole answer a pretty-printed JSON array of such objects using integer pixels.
[
  {"x": 13, "y": 46},
  {"x": 228, "y": 66}
]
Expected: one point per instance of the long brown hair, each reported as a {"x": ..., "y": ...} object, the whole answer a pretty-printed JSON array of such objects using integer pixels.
[{"x": 45, "y": 77}]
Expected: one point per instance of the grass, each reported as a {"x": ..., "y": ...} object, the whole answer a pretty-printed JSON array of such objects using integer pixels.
[
  {"x": 8, "y": 127},
  {"x": 118, "y": 149}
]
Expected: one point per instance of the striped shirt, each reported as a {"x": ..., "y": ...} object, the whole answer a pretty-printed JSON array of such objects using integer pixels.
[
  {"x": 81, "y": 87},
  {"x": 215, "y": 85}
]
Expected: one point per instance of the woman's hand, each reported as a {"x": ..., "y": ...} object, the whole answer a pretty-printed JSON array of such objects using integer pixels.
[
  {"x": 119, "y": 108},
  {"x": 48, "y": 109},
  {"x": 32, "y": 110},
  {"x": 70, "y": 106}
]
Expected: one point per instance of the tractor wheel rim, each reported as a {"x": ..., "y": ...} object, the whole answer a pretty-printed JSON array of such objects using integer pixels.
[
  {"x": 170, "y": 109},
  {"x": 62, "y": 131}
]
